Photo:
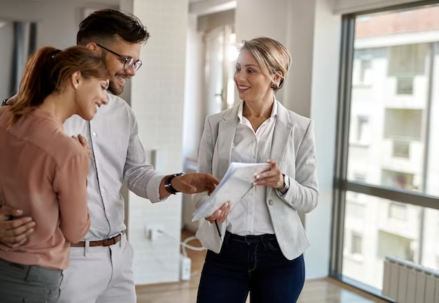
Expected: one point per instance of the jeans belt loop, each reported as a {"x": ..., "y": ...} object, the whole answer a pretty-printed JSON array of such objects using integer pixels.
[
  {"x": 265, "y": 241},
  {"x": 226, "y": 238}
]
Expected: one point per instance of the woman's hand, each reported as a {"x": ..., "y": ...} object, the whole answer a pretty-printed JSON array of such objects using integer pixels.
[
  {"x": 84, "y": 145},
  {"x": 272, "y": 177},
  {"x": 221, "y": 214}
]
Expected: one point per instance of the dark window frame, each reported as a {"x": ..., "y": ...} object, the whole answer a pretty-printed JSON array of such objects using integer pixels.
[{"x": 341, "y": 183}]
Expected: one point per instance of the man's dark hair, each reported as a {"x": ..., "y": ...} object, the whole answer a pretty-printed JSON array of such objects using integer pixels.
[{"x": 107, "y": 24}]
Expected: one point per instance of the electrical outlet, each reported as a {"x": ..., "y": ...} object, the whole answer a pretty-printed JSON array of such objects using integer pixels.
[{"x": 185, "y": 268}]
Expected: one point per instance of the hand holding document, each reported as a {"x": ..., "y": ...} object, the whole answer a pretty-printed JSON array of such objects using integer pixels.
[{"x": 237, "y": 181}]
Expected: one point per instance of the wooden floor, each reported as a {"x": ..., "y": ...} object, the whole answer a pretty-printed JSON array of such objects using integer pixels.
[{"x": 315, "y": 291}]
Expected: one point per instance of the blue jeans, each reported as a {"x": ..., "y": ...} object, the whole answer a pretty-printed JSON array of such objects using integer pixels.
[{"x": 252, "y": 264}]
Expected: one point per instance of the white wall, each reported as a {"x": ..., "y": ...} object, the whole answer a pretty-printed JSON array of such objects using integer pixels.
[
  {"x": 157, "y": 98},
  {"x": 300, "y": 42},
  {"x": 194, "y": 101},
  {"x": 324, "y": 101}
]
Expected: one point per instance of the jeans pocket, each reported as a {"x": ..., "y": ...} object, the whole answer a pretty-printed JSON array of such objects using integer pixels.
[
  {"x": 273, "y": 245},
  {"x": 53, "y": 287},
  {"x": 52, "y": 293}
]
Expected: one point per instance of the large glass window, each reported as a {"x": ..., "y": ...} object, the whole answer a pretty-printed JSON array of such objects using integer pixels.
[{"x": 388, "y": 165}]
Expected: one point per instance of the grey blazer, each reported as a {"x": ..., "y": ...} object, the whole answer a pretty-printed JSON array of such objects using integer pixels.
[{"x": 293, "y": 148}]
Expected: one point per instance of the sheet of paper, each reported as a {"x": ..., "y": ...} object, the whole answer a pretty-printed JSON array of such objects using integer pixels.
[{"x": 236, "y": 183}]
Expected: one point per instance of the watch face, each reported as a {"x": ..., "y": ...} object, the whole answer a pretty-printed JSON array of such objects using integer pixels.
[{"x": 287, "y": 182}]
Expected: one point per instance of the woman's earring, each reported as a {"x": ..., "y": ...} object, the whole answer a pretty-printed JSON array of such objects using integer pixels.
[{"x": 274, "y": 85}]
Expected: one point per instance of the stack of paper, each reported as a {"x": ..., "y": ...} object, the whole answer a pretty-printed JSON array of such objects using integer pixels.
[{"x": 237, "y": 181}]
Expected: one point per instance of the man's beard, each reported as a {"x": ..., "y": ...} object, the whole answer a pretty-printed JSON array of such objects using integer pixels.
[{"x": 112, "y": 88}]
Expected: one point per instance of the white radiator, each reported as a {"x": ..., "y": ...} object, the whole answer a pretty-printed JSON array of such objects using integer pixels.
[{"x": 407, "y": 282}]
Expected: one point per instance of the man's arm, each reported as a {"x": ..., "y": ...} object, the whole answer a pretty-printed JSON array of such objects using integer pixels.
[
  {"x": 14, "y": 232},
  {"x": 144, "y": 181}
]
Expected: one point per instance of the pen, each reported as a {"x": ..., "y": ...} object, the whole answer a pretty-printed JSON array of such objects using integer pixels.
[{"x": 217, "y": 228}]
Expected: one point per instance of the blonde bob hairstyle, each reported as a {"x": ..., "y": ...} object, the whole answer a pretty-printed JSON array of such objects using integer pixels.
[{"x": 270, "y": 55}]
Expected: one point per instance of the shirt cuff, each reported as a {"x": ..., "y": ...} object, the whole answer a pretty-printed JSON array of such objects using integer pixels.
[{"x": 153, "y": 189}]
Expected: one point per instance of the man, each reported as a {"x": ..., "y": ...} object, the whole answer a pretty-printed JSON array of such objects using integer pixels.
[{"x": 100, "y": 266}]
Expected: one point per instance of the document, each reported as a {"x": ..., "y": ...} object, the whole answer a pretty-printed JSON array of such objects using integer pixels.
[{"x": 236, "y": 183}]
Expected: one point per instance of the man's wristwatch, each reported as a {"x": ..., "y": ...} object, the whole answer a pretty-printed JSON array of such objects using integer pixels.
[
  {"x": 168, "y": 186},
  {"x": 5, "y": 102}
]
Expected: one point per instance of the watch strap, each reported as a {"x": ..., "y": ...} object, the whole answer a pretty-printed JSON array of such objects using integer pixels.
[
  {"x": 286, "y": 183},
  {"x": 168, "y": 186}
]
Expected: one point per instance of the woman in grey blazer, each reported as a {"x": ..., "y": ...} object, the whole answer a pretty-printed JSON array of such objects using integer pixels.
[{"x": 258, "y": 246}]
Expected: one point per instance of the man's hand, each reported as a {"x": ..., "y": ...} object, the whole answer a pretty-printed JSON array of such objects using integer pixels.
[
  {"x": 220, "y": 215},
  {"x": 14, "y": 232},
  {"x": 194, "y": 183}
]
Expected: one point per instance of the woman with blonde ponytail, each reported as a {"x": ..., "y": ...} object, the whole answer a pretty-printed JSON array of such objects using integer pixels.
[{"x": 43, "y": 171}]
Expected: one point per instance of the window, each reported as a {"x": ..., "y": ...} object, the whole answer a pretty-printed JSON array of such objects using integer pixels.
[
  {"x": 401, "y": 123},
  {"x": 407, "y": 60},
  {"x": 394, "y": 245},
  {"x": 397, "y": 211},
  {"x": 401, "y": 149},
  {"x": 398, "y": 180},
  {"x": 396, "y": 176},
  {"x": 404, "y": 85},
  {"x": 362, "y": 129},
  {"x": 367, "y": 61},
  {"x": 366, "y": 66},
  {"x": 357, "y": 244},
  {"x": 360, "y": 177},
  {"x": 405, "y": 63}
]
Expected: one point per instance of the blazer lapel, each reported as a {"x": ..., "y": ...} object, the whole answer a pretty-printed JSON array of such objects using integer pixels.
[
  {"x": 281, "y": 136},
  {"x": 226, "y": 135}
]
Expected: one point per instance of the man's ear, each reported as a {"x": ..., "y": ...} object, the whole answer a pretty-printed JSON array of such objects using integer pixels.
[{"x": 93, "y": 46}]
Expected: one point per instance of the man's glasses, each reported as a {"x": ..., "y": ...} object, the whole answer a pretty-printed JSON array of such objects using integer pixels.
[{"x": 128, "y": 61}]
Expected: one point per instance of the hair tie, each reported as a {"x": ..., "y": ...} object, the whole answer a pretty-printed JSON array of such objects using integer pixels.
[{"x": 56, "y": 52}]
